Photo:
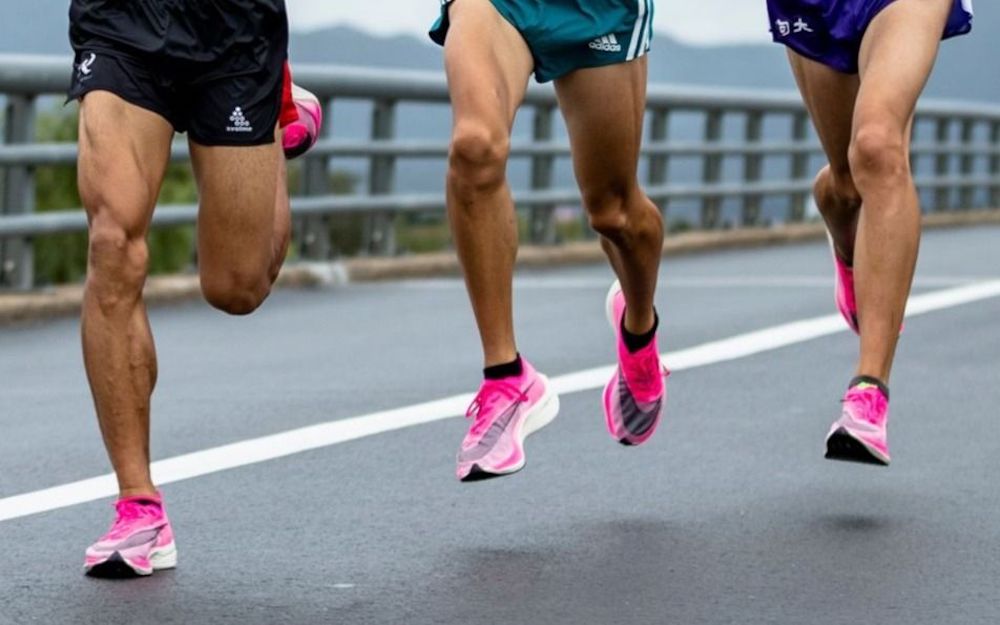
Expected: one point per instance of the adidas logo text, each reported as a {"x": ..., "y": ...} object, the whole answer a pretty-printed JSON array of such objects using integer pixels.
[{"x": 607, "y": 43}]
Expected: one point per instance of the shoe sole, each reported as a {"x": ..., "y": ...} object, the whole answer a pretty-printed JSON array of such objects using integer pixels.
[
  {"x": 117, "y": 567},
  {"x": 842, "y": 446},
  {"x": 542, "y": 415}
]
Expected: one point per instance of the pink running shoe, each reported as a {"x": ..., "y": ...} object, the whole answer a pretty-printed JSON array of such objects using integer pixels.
[
  {"x": 636, "y": 393},
  {"x": 843, "y": 290},
  {"x": 300, "y": 135},
  {"x": 859, "y": 435},
  {"x": 140, "y": 541},
  {"x": 504, "y": 413}
]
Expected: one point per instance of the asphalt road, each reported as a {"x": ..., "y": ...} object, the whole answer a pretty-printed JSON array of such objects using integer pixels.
[{"x": 729, "y": 515}]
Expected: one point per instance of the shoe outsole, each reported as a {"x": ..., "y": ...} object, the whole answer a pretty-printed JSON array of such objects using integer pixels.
[
  {"x": 478, "y": 474},
  {"x": 843, "y": 447},
  {"x": 114, "y": 567}
]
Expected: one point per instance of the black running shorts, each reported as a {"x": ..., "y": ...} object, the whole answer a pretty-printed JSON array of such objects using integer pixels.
[{"x": 212, "y": 68}]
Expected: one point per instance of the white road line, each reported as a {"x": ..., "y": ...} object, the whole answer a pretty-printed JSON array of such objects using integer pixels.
[
  {"x": 686, "y": 282},
  {"x": 296, "y": 441}
]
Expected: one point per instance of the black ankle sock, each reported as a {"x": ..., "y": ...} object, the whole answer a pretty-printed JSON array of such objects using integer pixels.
[
  {"x": 635, "y": 342},
  {"x": 867, "y": 379},
  {"x": 505, "y": 370}
]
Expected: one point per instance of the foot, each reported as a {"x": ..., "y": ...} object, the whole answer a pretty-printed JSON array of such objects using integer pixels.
[
  {"x": 139, "y": 542},
  {"x": 859, "y": 435},
  {"x": 843, "y": 291},
  {"x": 636, "y": 393},
  {"x": 503, "y": 414},
  {"x": 300, "y": 135}
]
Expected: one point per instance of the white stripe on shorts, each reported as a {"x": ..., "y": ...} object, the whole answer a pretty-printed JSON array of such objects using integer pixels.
[
  {"x": 637, "y": 32},
  {"x": 647, "y": 35}
]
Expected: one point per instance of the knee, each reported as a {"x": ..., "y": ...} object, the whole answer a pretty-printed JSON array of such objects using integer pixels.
[
  {"x": 477, "y": 160},
  {"x": 117, "y": 261},
  {"x": 878, "y": 154},
  {"x": 235, "y": 292}
]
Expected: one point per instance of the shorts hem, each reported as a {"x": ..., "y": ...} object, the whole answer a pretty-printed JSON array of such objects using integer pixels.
[
  {"x": 145, "y": 105},
  {"x": 843, "y": 68},
  {"x": 543, "y": 77},
  {"x": 231, "y": 143}
]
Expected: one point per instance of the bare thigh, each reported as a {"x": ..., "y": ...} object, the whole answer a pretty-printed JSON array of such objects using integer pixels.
[
  {"x": 829, "y": 97},
  {"x": 237, "y": 187},
  {"x": 896, "y": 59},
  {"x": 124, "y": 151},
  {"x": 605, "y": 132},
  {"x": 488, "y": 65}
]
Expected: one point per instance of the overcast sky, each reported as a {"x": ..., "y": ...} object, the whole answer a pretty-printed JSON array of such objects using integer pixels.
[{"x": 702, "y": 21}]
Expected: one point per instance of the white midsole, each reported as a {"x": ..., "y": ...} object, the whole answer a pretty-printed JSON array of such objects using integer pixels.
[
  {"x": 164, "y": 557},
  {"x": 543, "y": 413}
]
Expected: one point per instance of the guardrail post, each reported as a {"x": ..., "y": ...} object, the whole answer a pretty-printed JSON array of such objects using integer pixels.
[
  {"x": 659, "y": 164},
  {"x": 380, "y": 237},
  {"x": 942, "y": 163},
  {"x": 967, "y": 162},
  {"x": 800, "y": 167},
  {"x": 712, "y": 170},
  {"x": 995, "y": 165},
  {"x": 541, "y": 222},
  {"x": 17, "y": 258},
  {"x": 752, "y": 163},
  {"x": 315, "y": 231}
]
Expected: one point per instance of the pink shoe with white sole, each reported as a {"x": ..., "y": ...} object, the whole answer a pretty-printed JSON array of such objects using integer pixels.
[
  {"x": 139, "y": 542},
  {"x": 859, "y": 435},
  {"x": 635, "y": 396},
  {"x": 504, "y": 413}
]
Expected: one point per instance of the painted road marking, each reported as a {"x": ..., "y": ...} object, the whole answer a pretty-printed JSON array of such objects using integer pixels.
[
  {"x": 686, "y": 282},
  {"x": 299, "y": 440}
]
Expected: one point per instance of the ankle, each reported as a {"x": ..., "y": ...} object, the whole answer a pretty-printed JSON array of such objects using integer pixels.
[{"x": 141, "y": 490}]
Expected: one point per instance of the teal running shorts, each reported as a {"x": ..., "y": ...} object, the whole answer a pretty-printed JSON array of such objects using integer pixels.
[{"x": 567, "y": 35}]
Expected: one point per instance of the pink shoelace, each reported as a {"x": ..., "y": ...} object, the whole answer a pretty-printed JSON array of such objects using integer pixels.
[
  {"x": 131, "y": 510},
  {"x": 645, "y": 371},
  {"x": 869, "y": 403},
  {"x": 490, "y": 394}
]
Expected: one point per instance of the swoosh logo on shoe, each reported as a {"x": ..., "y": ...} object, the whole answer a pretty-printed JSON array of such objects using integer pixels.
[
  {"x": 144, "y": 537},
  {"x": 636, "y": 419},
  {"x": 493, "y": 434}
]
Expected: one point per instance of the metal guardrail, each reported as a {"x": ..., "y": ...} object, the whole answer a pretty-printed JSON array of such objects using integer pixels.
[{"x": 965, "y": 168}]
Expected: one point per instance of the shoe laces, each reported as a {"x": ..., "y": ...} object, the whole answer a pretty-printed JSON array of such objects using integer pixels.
[
  {"x": 484, "y": 405},
  {"x": 645, "y": 370},
  {"x": 131, "y": 510},
  {"x": 868, "y": 404}
]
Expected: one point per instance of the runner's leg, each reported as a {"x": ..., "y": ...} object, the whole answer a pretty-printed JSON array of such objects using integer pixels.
[
  {"x": 897, "y": 55},
  {"x": 606, "y": 134},
  {"x": 240, "y": 222},
  {"x": 124, "y": 151},
  {"x": 488, "y": 65},
  {"x": 829, "y": 96}
]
